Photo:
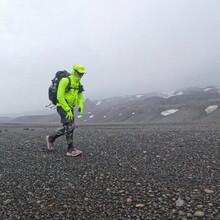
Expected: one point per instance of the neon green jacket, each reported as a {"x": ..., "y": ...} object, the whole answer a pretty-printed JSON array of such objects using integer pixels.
[{"x": 67, "y": 100}]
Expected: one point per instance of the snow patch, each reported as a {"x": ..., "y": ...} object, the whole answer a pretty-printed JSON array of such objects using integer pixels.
[
  {"x": 138, "y": 96},
  {"x": 91, "y": 116},
  {"x": 98, "y": 103},
  {"x": 120, "y": 114},
  {"x": 104, "y": 116},
  {"x": 169, "y": 112},
  {"x": 211, "y": 109},
  {"x": 179, "y": 93},
  {"x": 133, "y": 113},
  {"x": 163, "y": 95},
  {"x": 171, "y": 94},
  {"x": 79, "y": 116},
  {"x": 167, "y": 94},
  {"x": 207, "y": 89}
]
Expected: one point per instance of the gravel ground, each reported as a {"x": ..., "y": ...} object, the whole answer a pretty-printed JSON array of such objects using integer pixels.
[{"x": 126, "y": 172}]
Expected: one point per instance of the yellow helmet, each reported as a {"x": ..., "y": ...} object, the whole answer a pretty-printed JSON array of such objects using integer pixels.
[{"x": 79, "y": 68}]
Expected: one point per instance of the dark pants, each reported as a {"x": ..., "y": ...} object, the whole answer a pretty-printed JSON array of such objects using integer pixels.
[{"x": 67, "y": 129}]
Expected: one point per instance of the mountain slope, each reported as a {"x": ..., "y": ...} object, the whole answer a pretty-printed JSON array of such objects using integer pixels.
[{"x": 190, "y": 104}]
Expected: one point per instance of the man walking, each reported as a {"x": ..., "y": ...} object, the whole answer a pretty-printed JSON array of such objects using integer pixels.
[{"x": 66, "y": 101}]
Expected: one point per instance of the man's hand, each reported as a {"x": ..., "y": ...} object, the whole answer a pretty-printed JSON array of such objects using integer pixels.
[
  {"x": 81, "y": 109},
  {"x": 69, "y": 115}
]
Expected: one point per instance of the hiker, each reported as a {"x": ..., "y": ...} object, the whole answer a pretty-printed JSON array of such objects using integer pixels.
[{"x": 66, "y": 101}]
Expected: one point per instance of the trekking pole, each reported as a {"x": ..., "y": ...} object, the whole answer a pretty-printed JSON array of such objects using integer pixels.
[{"x": 48, "y": 105}]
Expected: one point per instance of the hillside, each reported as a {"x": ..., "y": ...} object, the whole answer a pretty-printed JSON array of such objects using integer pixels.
[{"x": 190, "y": 104}]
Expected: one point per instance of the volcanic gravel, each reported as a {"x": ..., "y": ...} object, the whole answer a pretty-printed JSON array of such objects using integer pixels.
[{"x": 168, "y": 171}]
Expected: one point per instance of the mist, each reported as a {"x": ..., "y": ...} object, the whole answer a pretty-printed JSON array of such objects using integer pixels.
[{"x": 127, "y": 47}]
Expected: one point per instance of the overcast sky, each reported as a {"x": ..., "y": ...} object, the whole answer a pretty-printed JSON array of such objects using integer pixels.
[{"x": 127, "y": 46}]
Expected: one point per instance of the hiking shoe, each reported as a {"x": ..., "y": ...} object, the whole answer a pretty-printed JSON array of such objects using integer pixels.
[
  {"x": 74, "y": 153},
  {"x": 49, "y": 144}
]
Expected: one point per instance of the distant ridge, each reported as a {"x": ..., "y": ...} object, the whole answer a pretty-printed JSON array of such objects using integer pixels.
[{"x": 186, "y": 105}]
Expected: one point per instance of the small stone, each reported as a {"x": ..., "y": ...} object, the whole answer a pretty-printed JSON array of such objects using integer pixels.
[
  {"x": 50, "y": 206},
  {"x": 199, "y": 206},
  {"x": 199, "y": 214},
  {"x": 189, "y": 215},
  {"x": 160, "y": 199},
  {"x": 7, "y": 201},
  {"x": 179, "y": 202},
  {"x": 30, "y": 193},
  {"x": 181, "y": 212},
  {"x": 173, "y": 211},
  {"x": 151, "y": 195},
  {"x": 140, "y": 205},
  {"x": 209, "y": 191},
  {"x": 129, "y": 200}
]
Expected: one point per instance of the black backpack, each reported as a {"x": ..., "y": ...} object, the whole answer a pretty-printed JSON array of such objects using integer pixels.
[{"x": 52, "y": 92}]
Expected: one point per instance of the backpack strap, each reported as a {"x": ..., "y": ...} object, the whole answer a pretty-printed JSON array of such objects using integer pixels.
[
  {"x": 69, "y": 87},
  {"x": 81, "y": 89}
]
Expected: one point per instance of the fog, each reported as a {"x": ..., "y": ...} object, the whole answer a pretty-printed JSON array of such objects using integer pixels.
[{"x": 127, "y": 46}]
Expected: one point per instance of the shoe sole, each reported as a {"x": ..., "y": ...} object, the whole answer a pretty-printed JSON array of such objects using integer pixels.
[
  {"x": 79, "y": 154},
  {"x": 48, "y": 143}
]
